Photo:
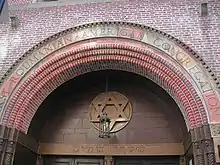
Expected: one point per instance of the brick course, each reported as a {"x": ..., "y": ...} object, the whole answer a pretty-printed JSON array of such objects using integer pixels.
[{"x": 178, "y": 18}]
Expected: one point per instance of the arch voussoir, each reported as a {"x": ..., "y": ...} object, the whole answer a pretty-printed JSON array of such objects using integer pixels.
[
  {"x": 67, "y": 64},
  {"x": 42, "y": 74}
]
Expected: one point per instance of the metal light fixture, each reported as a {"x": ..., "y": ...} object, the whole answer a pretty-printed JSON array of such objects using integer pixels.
[{"x": 104, "y": 126}]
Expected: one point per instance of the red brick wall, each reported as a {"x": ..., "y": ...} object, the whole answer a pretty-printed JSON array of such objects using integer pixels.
[
  {"x": 156, "y": 118},
  {"x": 179, "y": 18}
]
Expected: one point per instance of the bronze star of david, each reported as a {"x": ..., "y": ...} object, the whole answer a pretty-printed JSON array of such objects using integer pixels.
[{"x": 117, "y": 107}]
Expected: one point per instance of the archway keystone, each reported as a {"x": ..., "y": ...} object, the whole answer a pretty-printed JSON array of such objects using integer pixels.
[{"x": 110, "y": 45}]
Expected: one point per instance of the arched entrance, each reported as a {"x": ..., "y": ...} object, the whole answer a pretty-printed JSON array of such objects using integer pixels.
[
  {"x": 118, "y": 46},
  {"x": 155, "y": 128}
]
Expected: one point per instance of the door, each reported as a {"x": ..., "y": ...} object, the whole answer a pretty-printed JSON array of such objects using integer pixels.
[
  {"x": 56, "y": 160},
  {"x": 147, "y": 161}
]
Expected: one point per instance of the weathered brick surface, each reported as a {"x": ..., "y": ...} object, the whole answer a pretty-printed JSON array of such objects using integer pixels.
[
  {"x": 69, "y": 121},
  {"x": 179, "y": 18},
  {"x": 19, "y": 2}
]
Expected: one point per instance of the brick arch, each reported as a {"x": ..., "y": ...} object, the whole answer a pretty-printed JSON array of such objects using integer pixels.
[
  {"x": 88, "y": 57},
  {"x": 30, "y": 83}
]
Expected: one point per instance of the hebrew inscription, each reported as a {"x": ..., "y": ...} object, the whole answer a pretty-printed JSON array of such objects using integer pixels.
[{"x": 113, "y": 149}]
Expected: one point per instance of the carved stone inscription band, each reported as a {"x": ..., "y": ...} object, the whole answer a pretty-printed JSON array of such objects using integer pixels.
[{"x": 112, "y": 149}]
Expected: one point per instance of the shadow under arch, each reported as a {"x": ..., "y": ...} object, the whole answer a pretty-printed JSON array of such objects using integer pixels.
[{"x": 73, "y": 98}]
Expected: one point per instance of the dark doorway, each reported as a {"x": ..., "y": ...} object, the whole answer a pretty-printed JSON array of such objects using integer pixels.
[{"x": 169, "y": 160}]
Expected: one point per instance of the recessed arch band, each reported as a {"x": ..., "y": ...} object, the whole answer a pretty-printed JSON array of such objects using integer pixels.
[{"x": 86, "y": 57}]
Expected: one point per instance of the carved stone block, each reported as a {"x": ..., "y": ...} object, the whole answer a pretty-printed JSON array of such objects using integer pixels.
[
  {"x": 198, "y": 150},
  {"x": 198, "y": 153},
  {"x": 215, "y": 130},
  {"x": 209, "y": 152},
  {"x": 12, "y": 136}
]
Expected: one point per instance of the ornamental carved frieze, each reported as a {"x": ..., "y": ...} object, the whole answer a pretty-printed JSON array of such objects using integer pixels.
[
  {"x": 203, "y": 146},
  {"x": 209, "y": 151},
  {"x": 215, "y": 130},
  {"x": 117, "y": 106}
]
